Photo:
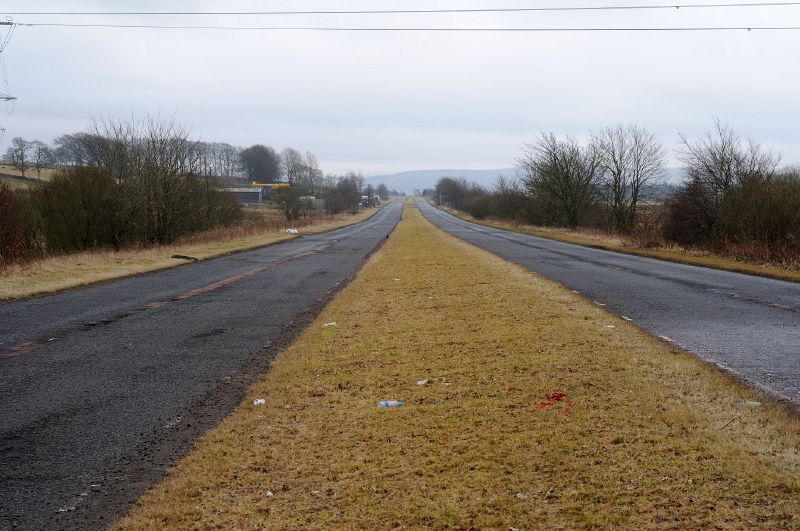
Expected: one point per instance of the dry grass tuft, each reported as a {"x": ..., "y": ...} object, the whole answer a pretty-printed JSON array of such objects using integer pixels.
[
  {"x": 54, "y": 273},
  {"x": 535, "y": 414}
]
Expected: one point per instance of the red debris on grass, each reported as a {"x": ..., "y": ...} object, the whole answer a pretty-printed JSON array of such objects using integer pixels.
[
  {"x": 555, "y": 396},
  {"x": 550, "y": 399}
]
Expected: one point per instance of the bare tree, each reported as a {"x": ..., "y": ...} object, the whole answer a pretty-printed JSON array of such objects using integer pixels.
[
  {"x": 630, "y": 158},
  {"x": 69, "y": 150},
  {"x": 383, "y": 191},
  {"x": 42, "y": 156},
  {"x": 563, "y": 174},
  {"x": 216, "y": 159},
  {"x": 720, "y": 160},
  {"x": 510, "y": 200},
  {"x": 227, "y": 159},
  {"x": 307, "y": 177},
  {"x": 293, "y": 164},
  {"x": 289, "y": 203},
  {"x": 77, "y": 149},
  {"x": 19, "y": 153},
  {"x": 343, "y": 192},
  {"x": 729, "y": 193},
  {"x": 151, "y": 162}
]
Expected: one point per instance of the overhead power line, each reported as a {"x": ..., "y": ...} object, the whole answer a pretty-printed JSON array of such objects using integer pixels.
[
  {"x": 420, "y": 11},
  {"x": 420, "y": 29}
]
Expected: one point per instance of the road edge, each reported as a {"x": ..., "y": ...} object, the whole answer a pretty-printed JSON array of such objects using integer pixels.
[
  {"x": 181, "y": 264},
  {"x": 768, "y": 394},
  {"x": 106, "y": 506},
  {"x": 631, "y": 252}
]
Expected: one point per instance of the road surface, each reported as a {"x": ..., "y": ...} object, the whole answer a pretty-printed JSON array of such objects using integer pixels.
[
  {"x": 747, "y": 325},
  {"x": 101, "y": 388}
]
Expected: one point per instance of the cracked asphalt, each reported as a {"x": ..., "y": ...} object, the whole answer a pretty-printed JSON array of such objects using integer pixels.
[
  {"x": 746, "y": 325},
  {"x": 102, "y": 388}
]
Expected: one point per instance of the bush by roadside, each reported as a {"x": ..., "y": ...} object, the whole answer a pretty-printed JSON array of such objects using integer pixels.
[
  {"x": 12, "y": 240},
  {"x": 735, "y": 201}
]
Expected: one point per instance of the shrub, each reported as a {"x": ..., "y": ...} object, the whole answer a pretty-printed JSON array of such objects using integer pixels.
[
  {"x": 12, "y": 242},
  {"x": 80, "y": 208},
  {"x": 479, "y": 206},
  {"x": 690, "y": 215}
]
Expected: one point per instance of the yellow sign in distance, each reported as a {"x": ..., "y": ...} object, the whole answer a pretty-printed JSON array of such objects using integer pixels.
[{"x": 271, "y": 185}]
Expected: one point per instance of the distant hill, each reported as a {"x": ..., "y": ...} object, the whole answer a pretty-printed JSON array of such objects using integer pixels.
[{"x": 408, "y": 181}]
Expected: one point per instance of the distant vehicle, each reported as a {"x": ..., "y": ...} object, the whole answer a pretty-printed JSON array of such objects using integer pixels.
[{"x": 370, "y": 201}]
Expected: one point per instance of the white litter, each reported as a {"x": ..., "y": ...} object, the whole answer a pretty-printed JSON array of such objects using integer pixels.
[
  {"x": 259, "y": 402},
  {"x": 269, "y": 494},
  {"x": 749, "y": 404},
  {"x": 521, "y": 496},
  {"x": 332, "y": 323},
  {"x": 626, "y": 318},
  {"x": 292, "y": 231},
  {"x": 422, "y": 382},
  {"x": 396, "y": 280},
  {"x": 610, "y": 326}
]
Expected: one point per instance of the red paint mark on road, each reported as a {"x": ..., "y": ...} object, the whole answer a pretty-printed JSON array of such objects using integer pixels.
[
  {"x": 247, "y": 274},
  {"x": 22, "y": 348},
  {"x": 28, "y": 346},
  {"x": 153, "y": 305}
]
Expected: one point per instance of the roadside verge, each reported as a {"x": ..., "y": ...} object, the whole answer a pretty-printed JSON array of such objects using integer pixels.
[
  {"x": 524, "y": 405},
  {"x": 681, "y": 257},
  {"x": 59, "y": 273}
]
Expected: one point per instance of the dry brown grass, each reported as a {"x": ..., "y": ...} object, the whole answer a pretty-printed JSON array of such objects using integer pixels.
[
  {"x": 13, "y": 184},
  {"x": 30, "y": 173},
  {"x": 611, "y": 242},
  {"x": 51, "y": 274},
  {"x": 643, "y": 438}
]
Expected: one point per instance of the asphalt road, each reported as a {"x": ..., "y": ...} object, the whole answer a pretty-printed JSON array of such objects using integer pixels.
[
  {"x": 102, "y": 388},
  {"x": 747, "y": 325}
]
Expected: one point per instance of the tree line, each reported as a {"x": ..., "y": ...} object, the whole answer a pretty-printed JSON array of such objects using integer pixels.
[
  {"x": 207, "y": 159},
  {"x": 142, "y": 183},
  {"x": 734, "y": 197}
]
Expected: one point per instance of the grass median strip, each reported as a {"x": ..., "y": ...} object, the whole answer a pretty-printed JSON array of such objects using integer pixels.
[
  {"x": 524, "y": 406},
  {"x": 52, "y": 274}
]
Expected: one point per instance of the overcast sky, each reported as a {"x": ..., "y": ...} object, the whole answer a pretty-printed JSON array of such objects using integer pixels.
[{"x": 387, "y": 102}]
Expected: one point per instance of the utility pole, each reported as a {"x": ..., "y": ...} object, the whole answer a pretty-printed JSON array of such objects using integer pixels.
[{"x": 3, "y": 96}]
